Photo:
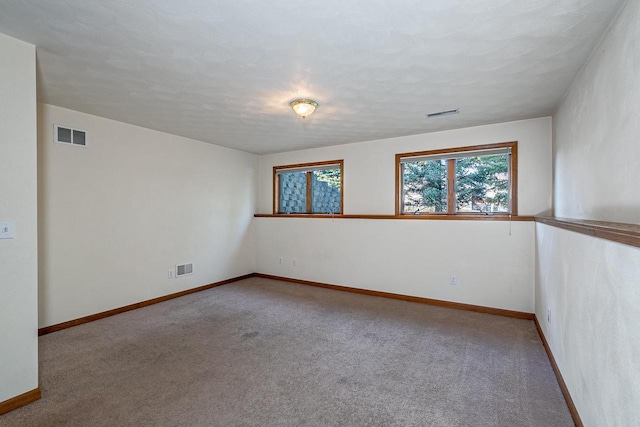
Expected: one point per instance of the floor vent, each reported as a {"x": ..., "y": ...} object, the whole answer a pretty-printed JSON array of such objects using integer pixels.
[
  {"x": 69, "y": 136},
  {"x": 184, "y": 269}
]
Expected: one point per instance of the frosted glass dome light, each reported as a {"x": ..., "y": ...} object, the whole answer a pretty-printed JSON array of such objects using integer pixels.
[{"x": 303, "y": 107}]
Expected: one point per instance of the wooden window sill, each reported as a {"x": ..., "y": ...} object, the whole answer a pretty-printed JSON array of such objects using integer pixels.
[
  {"x": 628, "y": 234},
  {"x": 443, "y": 217}
]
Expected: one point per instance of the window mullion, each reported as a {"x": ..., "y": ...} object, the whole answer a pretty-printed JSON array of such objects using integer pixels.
[
  {"x": 400, "y": 200},
  {"x": 451, "y": 189},
  {"x": 309, "y": 204},
  {"x": 276, "y": 191}
]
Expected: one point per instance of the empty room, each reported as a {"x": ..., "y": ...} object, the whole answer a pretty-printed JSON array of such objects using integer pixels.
[{"x": 336, "y": 213}]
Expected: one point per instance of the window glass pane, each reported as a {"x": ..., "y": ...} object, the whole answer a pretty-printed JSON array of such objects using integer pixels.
[
  {"x": 325, "y": 186},
  {"x": 293, "y": 192},
  {"x": 424, "y": 186},
  {"x": 482, "y": 184}
]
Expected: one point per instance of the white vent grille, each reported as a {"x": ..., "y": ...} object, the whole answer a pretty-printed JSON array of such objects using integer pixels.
[
  {"x": 69, "y": 136},
  {"x": 184, "y": 269},
  {"x": 443, "y": 113}
]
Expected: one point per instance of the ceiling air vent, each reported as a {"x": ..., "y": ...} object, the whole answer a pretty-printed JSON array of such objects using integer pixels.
[
  {"x": 443, "y": 113},
  {"x": 69, "y": 136},
  {"x": 184, "y": 269}
]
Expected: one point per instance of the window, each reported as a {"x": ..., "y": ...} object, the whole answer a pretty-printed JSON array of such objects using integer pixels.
[
  {"x": 310, "y": 188},
  {"x": 459, "y": 181}
]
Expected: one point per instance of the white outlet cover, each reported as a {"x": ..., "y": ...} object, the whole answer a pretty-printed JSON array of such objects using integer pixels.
[{"x": 7, "y": 229}]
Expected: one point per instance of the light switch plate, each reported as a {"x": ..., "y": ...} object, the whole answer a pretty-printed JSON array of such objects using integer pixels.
[{"x": 7, "y": 229}]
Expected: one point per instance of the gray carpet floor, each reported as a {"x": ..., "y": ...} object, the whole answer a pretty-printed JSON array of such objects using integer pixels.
[{"x": 266, "y": 353}]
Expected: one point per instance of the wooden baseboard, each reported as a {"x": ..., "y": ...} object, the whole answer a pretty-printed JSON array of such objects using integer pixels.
[
  {"x": 64, "y": 325},
  {"x": 469, "y": 307},
  {"x": 429, "y": 301},
  {"x": 21, "y": 400},
  {"x": 563, "y": 386}
]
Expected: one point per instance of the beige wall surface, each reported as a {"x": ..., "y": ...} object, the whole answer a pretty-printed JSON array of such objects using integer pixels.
[
  {"x": 493, "y": 262},
  {"x": 590, "y": 285},
  {"x": 369, "y": 167},
  {"x": 117, "y": 215},
  {"x": 18, "y": 202},
  {"x": 597, "y": 131}
]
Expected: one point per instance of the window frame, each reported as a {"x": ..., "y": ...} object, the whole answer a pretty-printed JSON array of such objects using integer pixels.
[
  {"x": 451, "y": 180},
  {"x": 300, "y": 167}
]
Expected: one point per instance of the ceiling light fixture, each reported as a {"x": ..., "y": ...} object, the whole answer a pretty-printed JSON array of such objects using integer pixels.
[{"x": 303, "y": 107}]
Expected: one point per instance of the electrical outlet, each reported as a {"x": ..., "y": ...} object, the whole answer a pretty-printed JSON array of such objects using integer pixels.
[
  {"x": 453, "y": 280},
  {"x": 7, "y": 230},
  {"x": 171, "y": 275},
  {"x": 548, "y": 314}
]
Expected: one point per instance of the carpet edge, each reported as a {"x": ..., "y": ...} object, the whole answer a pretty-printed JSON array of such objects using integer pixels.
[
  {"x": 563, "y": 386},
  {"x": 429, "y": 301},
  {"x": 97, "y": 316},
  {"x": 421, "y": 300}
]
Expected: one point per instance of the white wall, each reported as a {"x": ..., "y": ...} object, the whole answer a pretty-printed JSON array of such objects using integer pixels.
[
  {"x": 589, "y": 284},
  {"x": 597, "y": 131},
  {"x": 493, "y": 268},
  {"x": 369, "y": 167},
  {"x": 591, "y": 287},
  {"x": 117, "y": 215},
  {"x": 413, "y": 257},
  {"x": 18, "y": 202}
]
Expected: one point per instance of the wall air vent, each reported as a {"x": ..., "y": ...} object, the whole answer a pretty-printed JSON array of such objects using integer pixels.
[
  {"x": 69, "y": 136},
  {"x": 443, "y": 113},
  {"x": 184, "y": 269}
]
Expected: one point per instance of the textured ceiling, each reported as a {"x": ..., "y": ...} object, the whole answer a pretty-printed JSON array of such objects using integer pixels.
[{"x": 225, "y": 71}]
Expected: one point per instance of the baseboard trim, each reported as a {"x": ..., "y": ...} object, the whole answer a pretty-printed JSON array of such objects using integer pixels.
[
  {"x": 429, "y": 301},
  {"x": 19, "y": 401},
  {"x": 75, "y": 322},
  {"x": 563, "y": 386},
  {"x": 456, "y": 305}
]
